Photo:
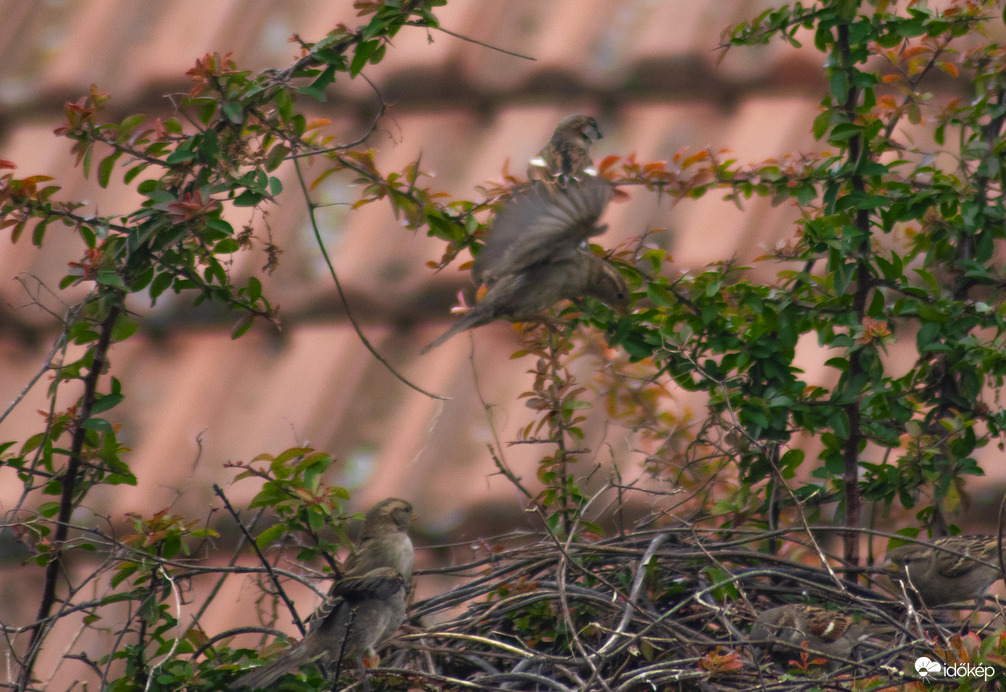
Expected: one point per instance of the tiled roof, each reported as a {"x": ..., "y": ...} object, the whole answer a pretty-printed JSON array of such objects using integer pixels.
[{"x": 649, "y": 70}]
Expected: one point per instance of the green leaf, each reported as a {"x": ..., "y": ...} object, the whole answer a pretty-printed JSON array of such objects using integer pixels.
[
  {"x": 316, "y": 520},
  {"x": 104, "y": 403},
  {"x": 98, "y": 425},
  {"x": 844, "y": 131},
  {"x": 270, "y": 536},
  {"x": 243, "y": 324},
  {"x": 821, "y": 123},
  {"x": 659, "y": 295},
  {"x": 106, "y": 167},
  {"x": 180, "y": 156},
  {"x": 124, "y": 571},
  {"x": 317, "y": 88},
  {"x": 125, "y": 327},
  {"x": 159, "y": 284},
  {"x": 840, "y": 86},
  {"x": 110, "y": 278},
  {"x": 233, "y": 111},
  {"x": 362, "y": 55},
  {"x": 39, "y": 232},
  {"x": 254, "y": 289},
  {"x": 247, "y": 199},
  {"x": 277, "y": 155}
]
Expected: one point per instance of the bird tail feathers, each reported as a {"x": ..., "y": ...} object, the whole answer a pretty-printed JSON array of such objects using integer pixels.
[
  {"x": 260, "y": 678},
  {"x": 473, "y": 318},
  {"x": 456, "y": 329}
]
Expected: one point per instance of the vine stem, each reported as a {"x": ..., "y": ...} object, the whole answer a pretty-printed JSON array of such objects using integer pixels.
[{"x": 311, "y": 207}]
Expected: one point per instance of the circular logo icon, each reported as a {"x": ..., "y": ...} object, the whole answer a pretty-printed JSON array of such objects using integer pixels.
[{"x": 926, "y": 666}]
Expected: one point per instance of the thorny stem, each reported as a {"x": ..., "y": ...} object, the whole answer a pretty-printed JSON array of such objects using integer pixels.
[
  {"x": 69, "y": 486},
  {"x": 850, "y": 476},
  {"x": 555, "y": 389},
  {"x": 560, "y": 434}
]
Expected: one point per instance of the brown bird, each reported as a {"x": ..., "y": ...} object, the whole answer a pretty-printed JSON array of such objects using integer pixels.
[
  {"x": 946, "y": 570},
  {"x": 567, "y": 154},
  {"x": 384, "y": 541},
  {"x": 795, "y": 626},
  {"x": 536, "y": 254},
  {"x": 363, "y": 607},
  {"x": 534, "y": 226}
]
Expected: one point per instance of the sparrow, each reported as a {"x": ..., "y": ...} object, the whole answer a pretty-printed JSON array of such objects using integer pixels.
[
  {"x": 384, "y": 541},
  {"x": 941, "y": 572},
  {"x": 796, "y": 626},
  {"x": 363, "y": 607},
  {"x": 536, "y": 254},
  {"x": 567, "y": 154}
]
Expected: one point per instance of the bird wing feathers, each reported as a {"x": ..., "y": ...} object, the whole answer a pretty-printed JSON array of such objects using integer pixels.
[
  {"x": 535, "y": 255},
  {"x": 540, "y": 225},
  {"x": 381, "y": 583},
  {"x": 949, "y": 564}
]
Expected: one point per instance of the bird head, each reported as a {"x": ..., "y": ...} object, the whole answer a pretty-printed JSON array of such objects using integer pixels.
[
  {"x": 901, "y": 560},
  {"x": 391, "y": 511},
  {"x": 607, "y": 285},
  {"x": 582, "y": 126}
]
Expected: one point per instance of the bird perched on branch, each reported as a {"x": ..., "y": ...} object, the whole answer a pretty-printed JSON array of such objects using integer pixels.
[
  {"x": 536, "y": 254},
  {"x": 362, "y": 608},
  {"x": 384, "y": 541},
  {"x": 567, "y": 154},
  {"x": 789, "y": 628},
  {"x": 947, "y": 570}
]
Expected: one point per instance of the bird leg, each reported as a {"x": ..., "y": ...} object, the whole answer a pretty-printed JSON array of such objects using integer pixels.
[
  {"x": 966, "y": 625},
  {"x": 547, "y": 321},
  {"x": 364, "y": 682}
]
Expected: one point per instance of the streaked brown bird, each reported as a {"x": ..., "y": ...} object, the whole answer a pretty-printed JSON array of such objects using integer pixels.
[
  {"x": 567, "y": 154},
  {"x": 362, "y": 608},
  {"x": 536, "y": 254},
  {"x": 946, "y": 570},
  {"x": 384, "y": 541},
  {"x": 790, "y": 628}
]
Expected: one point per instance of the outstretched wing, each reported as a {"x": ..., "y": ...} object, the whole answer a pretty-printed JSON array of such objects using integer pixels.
[{"x": 540, "y": 224}]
